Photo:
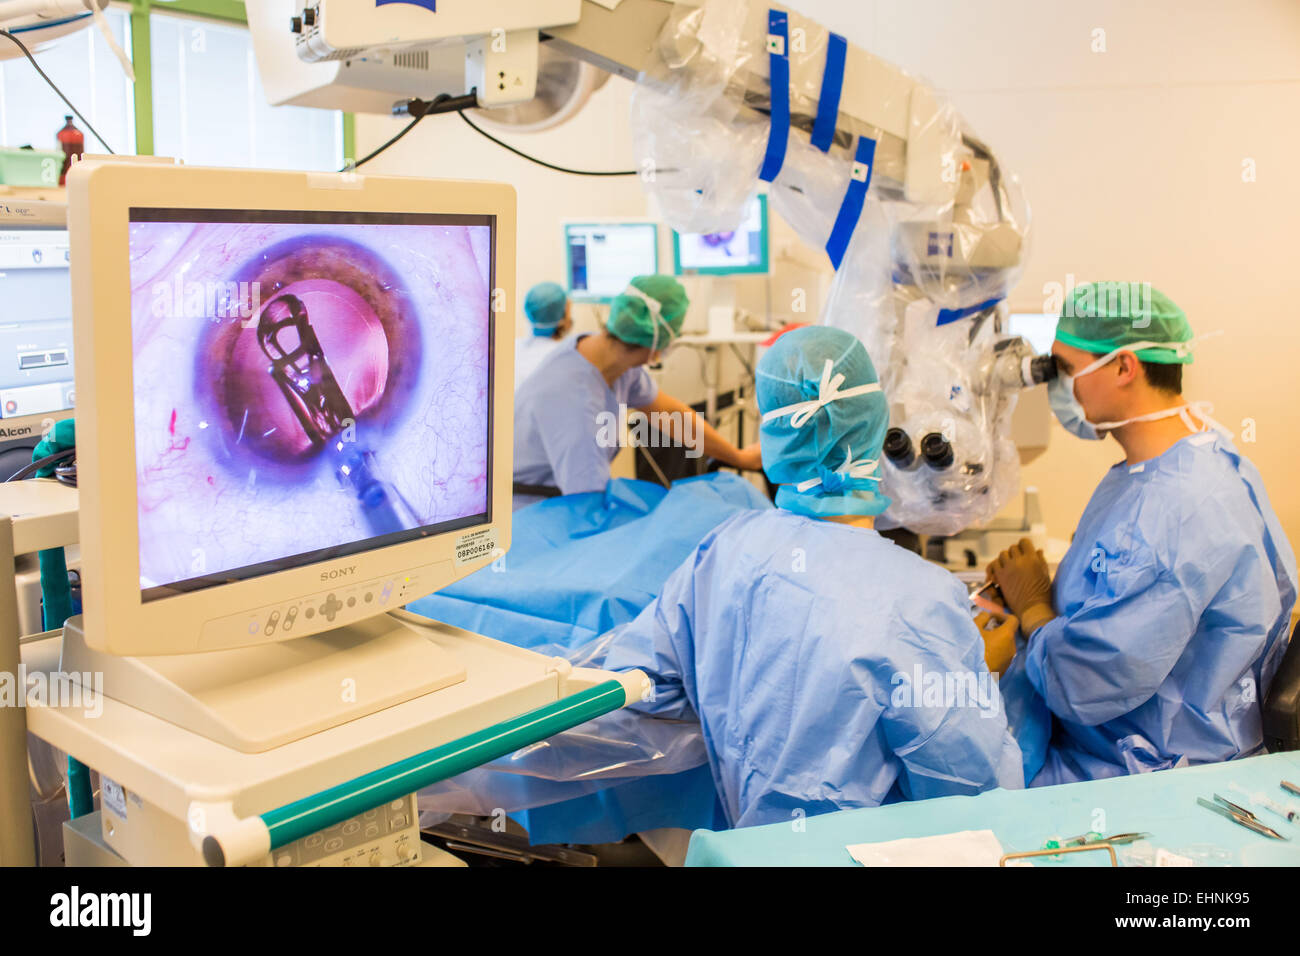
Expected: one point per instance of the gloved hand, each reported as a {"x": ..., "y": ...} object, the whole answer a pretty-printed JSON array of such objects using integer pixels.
[
  {"x": 999, "y": 633},
  {"x": 1021, "y": 574}
]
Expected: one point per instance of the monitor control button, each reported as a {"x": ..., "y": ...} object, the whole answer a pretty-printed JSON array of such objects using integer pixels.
[{"x": 331, "y": 608}]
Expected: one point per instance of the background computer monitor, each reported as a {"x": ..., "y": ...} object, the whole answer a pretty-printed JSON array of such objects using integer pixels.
[
  {"x": 603, "y": 256},
  {"x": 36, "y": 379},
  {"x": 296, "y": 398},
  {"x": 1037, "y": 328},
  {"x": 741, "y": 251}
]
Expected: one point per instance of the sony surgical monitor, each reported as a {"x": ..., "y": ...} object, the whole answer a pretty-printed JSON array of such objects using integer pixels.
[{"x": 294, "y": 418}]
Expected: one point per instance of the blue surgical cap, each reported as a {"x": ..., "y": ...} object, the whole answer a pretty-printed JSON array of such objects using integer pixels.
[
  {"x": 544, "y": 307},
  {"x": 824, "y": 420}
]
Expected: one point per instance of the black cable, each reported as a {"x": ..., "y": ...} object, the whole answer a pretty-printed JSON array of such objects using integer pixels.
[
  {"x": 542, "y": 162},
  {"x": 38, "y": 464},
  {"x": 417, "y": 109},
  {"x": 375, "y": 152},
  {"x": 28, "y": 53}
]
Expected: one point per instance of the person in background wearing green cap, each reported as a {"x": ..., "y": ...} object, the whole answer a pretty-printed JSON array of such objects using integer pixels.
[
  {"x": 561, "y": 410},
  {"x": 1167, "y": 619},
  {"x": 547, "y": 309}
]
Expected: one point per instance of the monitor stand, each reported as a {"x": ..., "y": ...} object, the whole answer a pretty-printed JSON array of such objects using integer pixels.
[{"x": 252, "y": 699}]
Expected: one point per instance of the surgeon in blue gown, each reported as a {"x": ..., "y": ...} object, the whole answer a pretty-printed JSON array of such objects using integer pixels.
[
  {"x": 1167, "y": 619},
  {"x": 828, "y": 668},
  {"x": 569, "y": 412},
  {"x": 550, "y": 320}
]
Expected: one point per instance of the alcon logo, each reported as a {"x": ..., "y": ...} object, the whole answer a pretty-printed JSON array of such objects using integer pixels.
[
  {"x": 338, "y": 573},
  {"x": 17, "y": 432}
]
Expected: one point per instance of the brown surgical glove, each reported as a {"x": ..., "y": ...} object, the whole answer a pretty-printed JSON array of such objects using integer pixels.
[
  {"x": 1021, "y": 574},
  {"x": 999, "y": 633}
]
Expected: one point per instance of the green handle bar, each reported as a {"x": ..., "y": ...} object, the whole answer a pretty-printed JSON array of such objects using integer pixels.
[{"x": 303, "y": 817}]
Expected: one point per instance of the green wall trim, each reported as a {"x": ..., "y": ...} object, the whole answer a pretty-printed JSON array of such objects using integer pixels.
[
  {"x": 216, "y": 9},
  {"x": 142, "y": 91},
  {"x": 349, "y": 139}
]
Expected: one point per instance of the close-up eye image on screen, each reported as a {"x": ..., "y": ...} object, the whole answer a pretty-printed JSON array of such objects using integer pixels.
[{"x": 306, "y": 385}]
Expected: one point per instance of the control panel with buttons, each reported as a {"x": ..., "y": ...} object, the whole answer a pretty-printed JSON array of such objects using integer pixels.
[
  {"x": 388, "y": 835},
  {"x": 340, "y": 605}
]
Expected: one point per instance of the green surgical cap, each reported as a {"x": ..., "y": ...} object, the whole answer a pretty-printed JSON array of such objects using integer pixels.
[
  {"x": 632, "y": 321},
  {"x": 1101, "y": 317}
]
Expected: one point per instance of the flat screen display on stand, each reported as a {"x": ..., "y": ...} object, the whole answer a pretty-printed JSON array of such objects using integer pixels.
[
  {"x": 306, "y": 386},
  {"x": 603, "y": 257},
  {"x": 740, "y": 251}
]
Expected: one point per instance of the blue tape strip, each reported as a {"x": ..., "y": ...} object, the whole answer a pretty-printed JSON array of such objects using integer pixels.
[
  {"x": 854, "y": 198},
  {"x": 828, "y": 106},
  {"x": 952, "y": 315},
  {"x": 778, "y": 132}
]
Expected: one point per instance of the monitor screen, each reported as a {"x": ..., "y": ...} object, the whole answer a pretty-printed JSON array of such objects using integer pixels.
[
  {"x": 741, "y": 250},
  {"x": 35, "y": 322},
  {"x": 603, "y": 257},
  {"x": 307, "y": 385},
  {"x": 1037, "y": 328}
]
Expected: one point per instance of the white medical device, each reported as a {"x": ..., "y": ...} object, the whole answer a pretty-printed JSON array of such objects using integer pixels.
[{"x": 37, "y": 22}]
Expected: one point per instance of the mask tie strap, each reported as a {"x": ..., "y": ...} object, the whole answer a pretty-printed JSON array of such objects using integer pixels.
[{"x": 828, "y": 390}]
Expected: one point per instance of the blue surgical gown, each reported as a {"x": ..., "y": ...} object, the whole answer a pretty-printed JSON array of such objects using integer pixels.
[
  {"x": 530, "y": 352},
  {"x": 1174, "y": 601},
  {"x": 827, "y": 667},
  {"x": 566, "y": 422}
]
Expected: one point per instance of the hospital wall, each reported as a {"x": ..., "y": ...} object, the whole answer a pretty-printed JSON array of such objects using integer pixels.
[
  {"x": 597, "y": 138},
  {"x": 1167, "y": 155}
]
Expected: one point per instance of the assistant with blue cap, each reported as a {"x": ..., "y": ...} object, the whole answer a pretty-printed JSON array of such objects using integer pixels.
[
  {"x": 568, "y": 414},
  {"x": 547, "y": 308},
  {"x": 805, "y": 643},
  {"x": 1167, "y": 619}
]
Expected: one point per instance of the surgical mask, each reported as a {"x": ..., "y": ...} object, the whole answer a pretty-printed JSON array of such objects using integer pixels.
[{"x": 1068, "y": 411}]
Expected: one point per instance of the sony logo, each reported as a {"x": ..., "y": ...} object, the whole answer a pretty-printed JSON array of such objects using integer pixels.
[{"x": 338, "y": 573}]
